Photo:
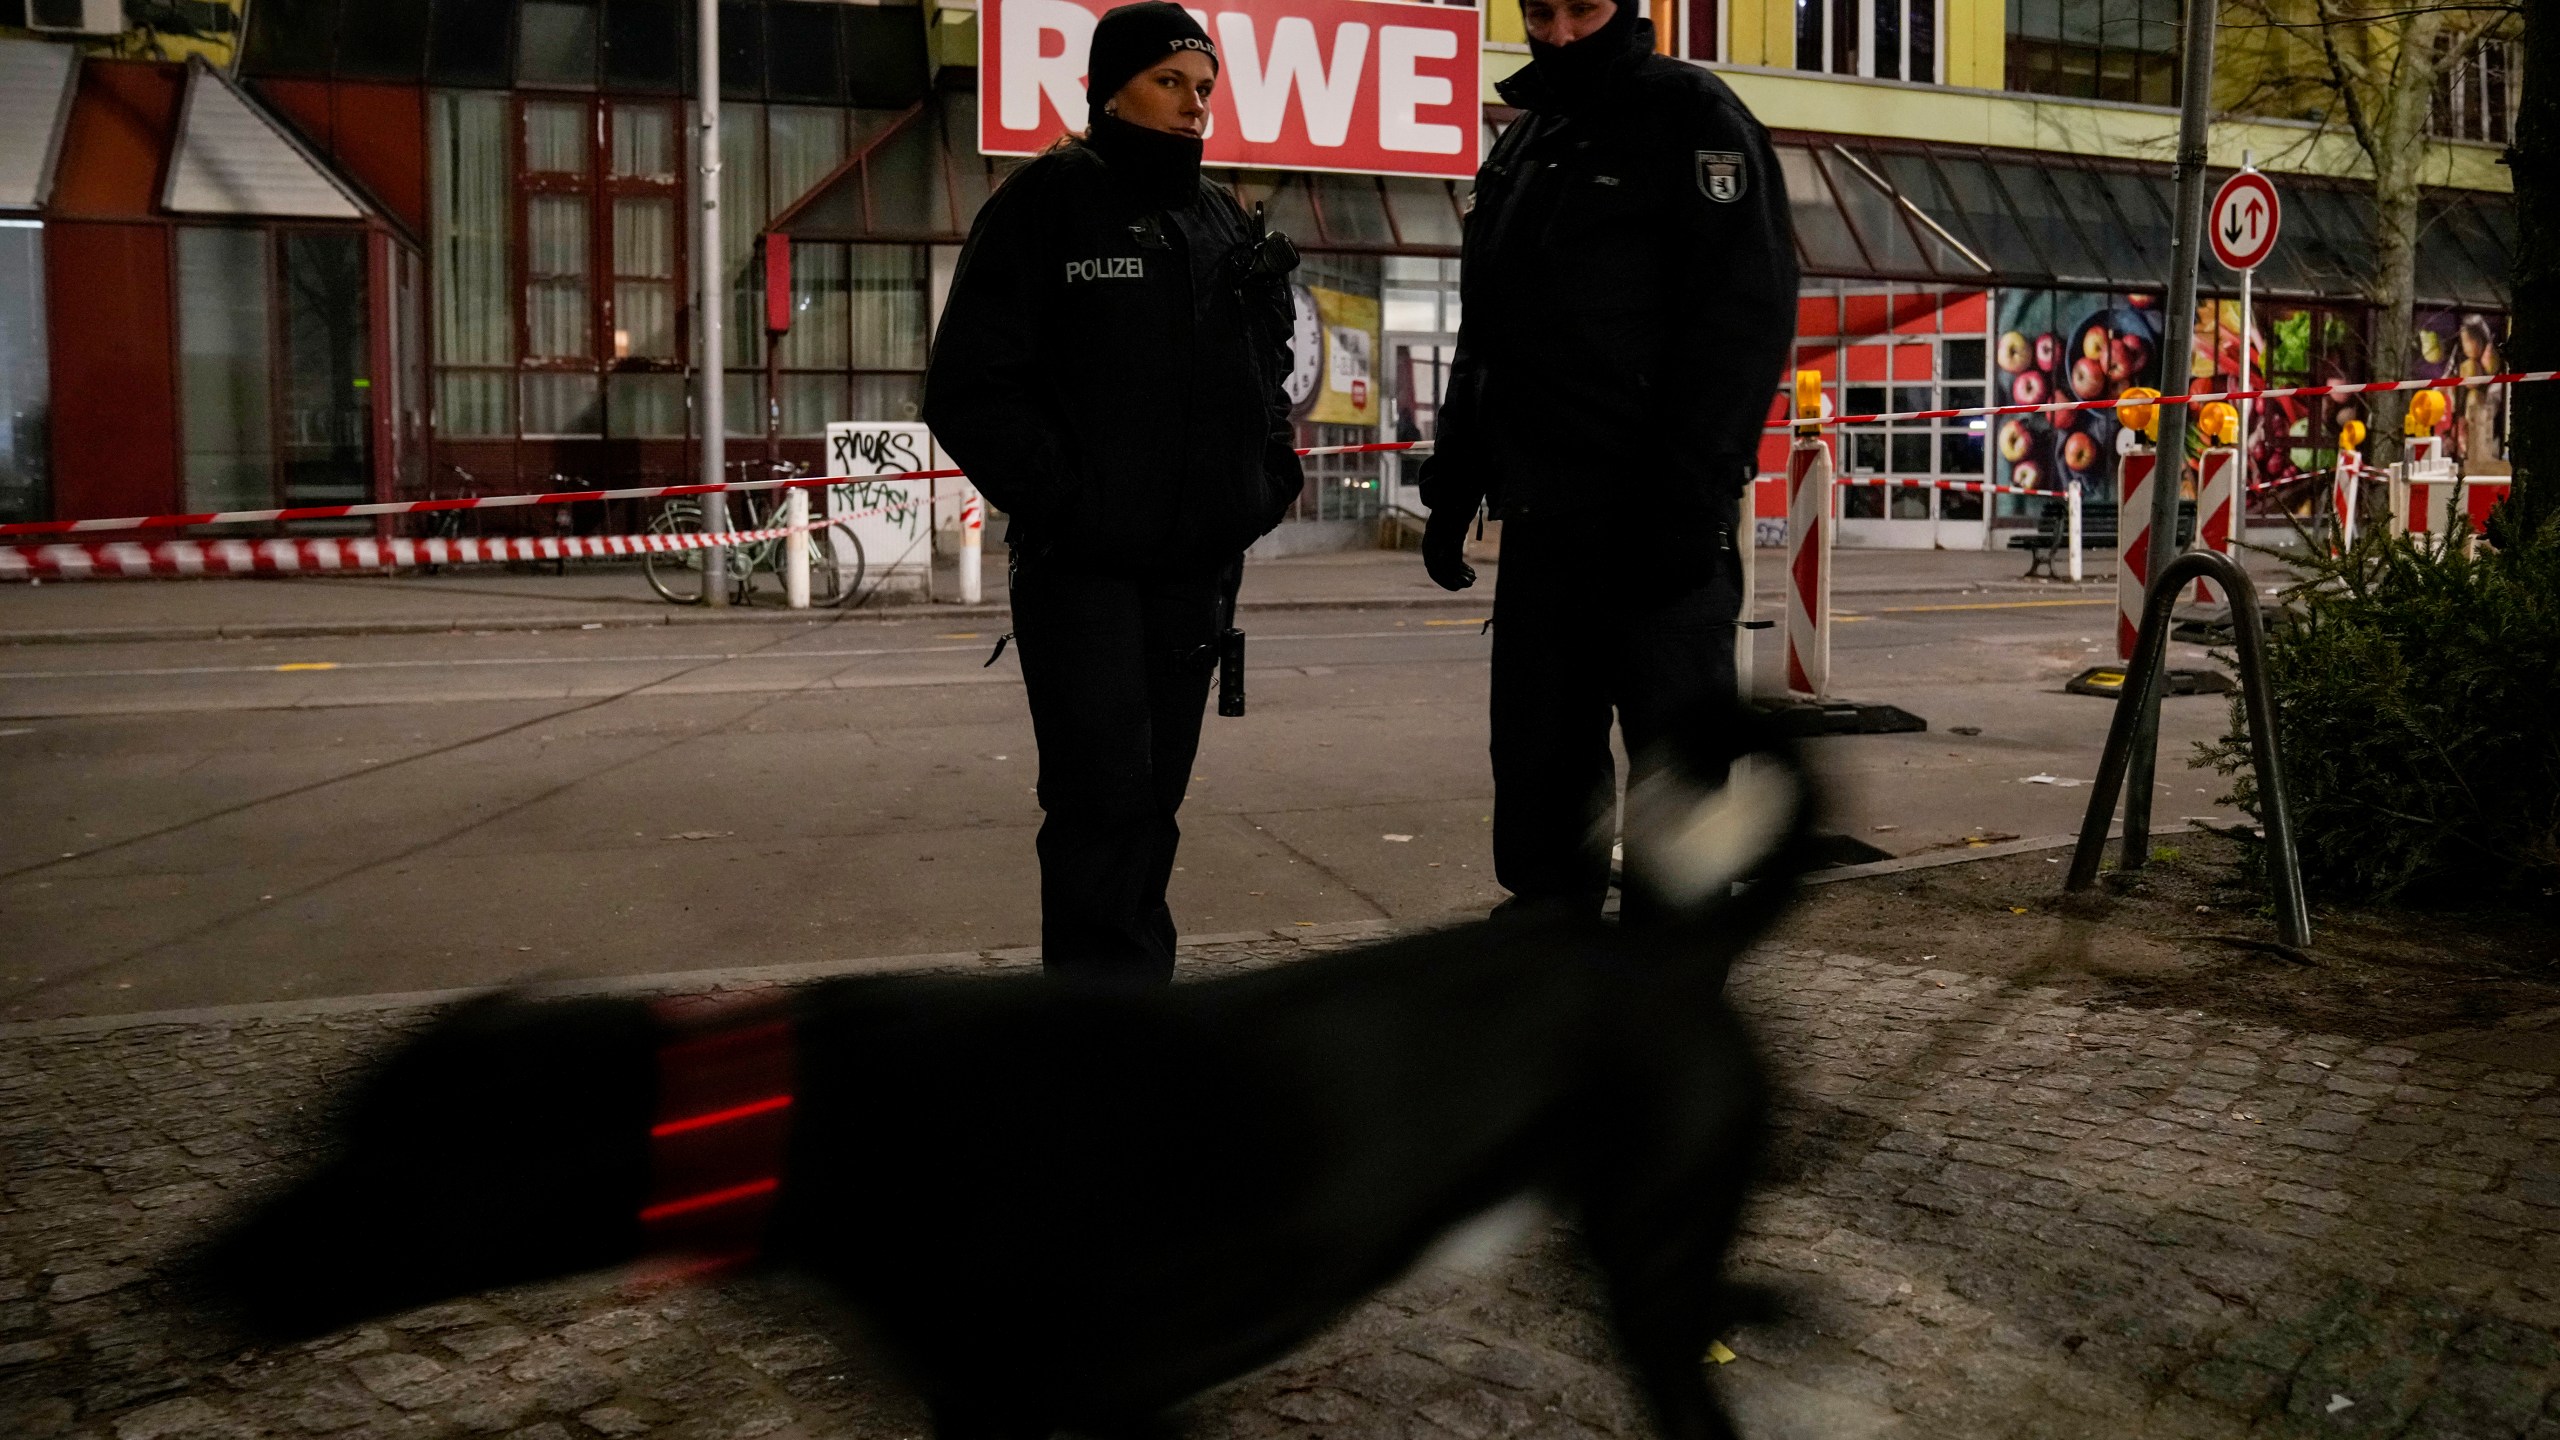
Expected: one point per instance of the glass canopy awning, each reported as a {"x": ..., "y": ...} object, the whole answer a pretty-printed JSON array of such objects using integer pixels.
[
  {"x": 1966, "y": 215},
  {"x": 1863, "y": 209},
  {"x": 917, "y": 177}
]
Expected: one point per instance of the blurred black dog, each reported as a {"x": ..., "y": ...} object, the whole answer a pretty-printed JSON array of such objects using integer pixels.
[{"x": 1064, "y": 1208}]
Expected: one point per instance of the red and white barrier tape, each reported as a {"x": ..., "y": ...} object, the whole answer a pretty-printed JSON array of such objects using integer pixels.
[
  {"x": 2054, "y": 407},
  {"x": 549, "y": 497},
  {"x": 1960, "y": 487},
  {"x": 474, "y": 502},
  {"x": 79, "y": 561},
  {"x": 670, "y": 492}
]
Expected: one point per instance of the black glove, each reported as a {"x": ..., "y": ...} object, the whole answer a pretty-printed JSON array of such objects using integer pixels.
[{"x": 1444, "y": 547}]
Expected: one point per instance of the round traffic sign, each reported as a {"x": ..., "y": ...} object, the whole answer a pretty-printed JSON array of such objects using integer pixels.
[{"x": 2243, "y": 221}]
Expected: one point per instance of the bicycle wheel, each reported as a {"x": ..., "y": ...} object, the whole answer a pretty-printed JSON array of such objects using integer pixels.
[
  {"x": 844, "y": 567},
  {"x": 826, "y": 582},
  {"x": 440, "y": 525},
  {"x": 675, "y": 574}
]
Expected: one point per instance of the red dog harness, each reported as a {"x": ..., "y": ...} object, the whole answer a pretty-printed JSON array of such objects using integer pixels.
[{"x": 718, "y": 1145}]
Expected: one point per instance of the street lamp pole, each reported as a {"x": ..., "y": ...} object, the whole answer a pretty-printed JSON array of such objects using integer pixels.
[
  {"x": 2177, "y": 342},
  {"x": 711, "y": 298}
]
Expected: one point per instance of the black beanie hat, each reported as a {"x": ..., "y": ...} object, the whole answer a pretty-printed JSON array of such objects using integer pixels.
[{"x": 1129, "y": 38}]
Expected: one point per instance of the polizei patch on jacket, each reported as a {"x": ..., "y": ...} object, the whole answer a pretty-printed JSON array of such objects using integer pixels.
[
  {"x": 1720, "y": 175},
  {"x": 1107, "y": 267}
]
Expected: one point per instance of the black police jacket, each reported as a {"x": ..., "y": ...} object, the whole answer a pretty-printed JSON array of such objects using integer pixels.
[
  {"x": 1630, "y": 300},
  {"x": 1104, "y": 372}
]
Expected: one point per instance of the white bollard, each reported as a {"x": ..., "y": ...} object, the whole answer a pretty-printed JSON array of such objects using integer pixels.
[
  {"x": 2071, "y": 512},
  {"x": 1746, "y": 546},
  {"x": 2346, "y": 494},
  {"x": 973, "y": 527},
  {"x": 795, "y": 550},
  {"x": 1809, "y": 491}
]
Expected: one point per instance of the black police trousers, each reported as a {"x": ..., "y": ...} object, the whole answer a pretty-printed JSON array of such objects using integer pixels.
[
  {"x": 1117, "y": 669},
  {"x": 1584, "y": 632}
]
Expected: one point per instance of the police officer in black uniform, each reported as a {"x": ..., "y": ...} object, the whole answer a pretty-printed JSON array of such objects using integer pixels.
[
  {"x": 1630, "y": 292},
  {"x": 1109, "y": 372}
]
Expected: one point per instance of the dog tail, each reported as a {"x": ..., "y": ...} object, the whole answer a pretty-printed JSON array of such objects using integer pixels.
[{"x": 1719, "y": 827}]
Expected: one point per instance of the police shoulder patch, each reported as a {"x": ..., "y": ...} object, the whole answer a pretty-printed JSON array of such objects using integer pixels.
[{"x": 1721, "y": 175}]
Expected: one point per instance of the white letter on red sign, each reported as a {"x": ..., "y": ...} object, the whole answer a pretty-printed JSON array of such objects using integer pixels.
[
  {"x": 1401, "y": 90},
  {"x": 1262, "y": 93},
  {"x": 1028, "y": 73}
]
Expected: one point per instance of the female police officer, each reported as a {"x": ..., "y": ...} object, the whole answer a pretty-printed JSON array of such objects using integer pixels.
[{"x": 1108, "y": 371}]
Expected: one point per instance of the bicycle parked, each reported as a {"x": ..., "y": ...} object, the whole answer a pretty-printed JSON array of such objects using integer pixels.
[
  {"x": 836, "y": 561},
  {"x": 445, "y": 524}
]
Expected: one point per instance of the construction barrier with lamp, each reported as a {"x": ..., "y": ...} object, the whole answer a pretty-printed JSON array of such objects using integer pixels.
[
  {"x": 1808, "y": 708},
  {"x": 2346, "y": 489}
]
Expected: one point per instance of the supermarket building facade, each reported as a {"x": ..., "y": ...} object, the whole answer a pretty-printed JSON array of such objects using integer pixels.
[{"x": 357, "y": 251}]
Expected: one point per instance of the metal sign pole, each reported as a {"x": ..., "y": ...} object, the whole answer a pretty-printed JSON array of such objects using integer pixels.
[
  {"x": 711, "y": 277},
  {"x": 2177, "y": 341},
  {"x": 2248, "y": 381}
]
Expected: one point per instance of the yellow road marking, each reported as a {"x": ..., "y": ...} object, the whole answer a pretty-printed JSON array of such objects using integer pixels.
[
  {"x": 310, "y": 665},
  {"x": 1470, "y": 620},
  {"x": 961, "y": 635}
]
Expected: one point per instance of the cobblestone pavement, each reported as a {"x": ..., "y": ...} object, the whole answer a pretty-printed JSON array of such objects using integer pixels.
[{"x": 2000, "y": 1210}]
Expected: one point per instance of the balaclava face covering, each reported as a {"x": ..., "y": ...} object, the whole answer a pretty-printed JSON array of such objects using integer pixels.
[
  {"x": 1577, "y": 71},
  {"x": 1161, "y": 166}
]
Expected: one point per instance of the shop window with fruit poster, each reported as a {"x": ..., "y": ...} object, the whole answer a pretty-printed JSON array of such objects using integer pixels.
[{"x": 2066, "y": 345}]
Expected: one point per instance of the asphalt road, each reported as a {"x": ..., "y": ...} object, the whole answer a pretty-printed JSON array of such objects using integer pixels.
[{"x": 214, "y": 822}]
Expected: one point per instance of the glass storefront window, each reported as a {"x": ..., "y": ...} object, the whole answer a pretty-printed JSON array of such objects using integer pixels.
[
  {"x": 224, "y": 366},
  {"x": 325, "y": 382},
  {"x": 471, "y": 194},
  {"x": 24, "y": 383},
  {"x": 556, "y": 43}
]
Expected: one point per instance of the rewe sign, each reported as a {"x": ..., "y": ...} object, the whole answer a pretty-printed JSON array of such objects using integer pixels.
[{"x": 1371, "y": 87}]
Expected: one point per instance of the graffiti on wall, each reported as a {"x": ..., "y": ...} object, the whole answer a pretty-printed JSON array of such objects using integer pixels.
[{"x": 893, "y": 519}]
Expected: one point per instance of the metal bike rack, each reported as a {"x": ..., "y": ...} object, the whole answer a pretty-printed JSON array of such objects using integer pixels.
[{"x": 2248, "y": 629}]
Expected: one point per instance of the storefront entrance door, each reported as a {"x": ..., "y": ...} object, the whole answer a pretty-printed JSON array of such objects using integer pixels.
[{"x": 1417, "y": 378}]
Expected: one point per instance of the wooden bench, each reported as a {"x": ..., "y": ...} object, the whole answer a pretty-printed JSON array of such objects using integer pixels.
[{"x": 2052, "y": 534}]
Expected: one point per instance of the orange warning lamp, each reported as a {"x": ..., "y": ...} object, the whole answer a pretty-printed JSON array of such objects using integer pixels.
[
  {"x": 2220, "y": 422},
  {"x": 1808, "y": 394},
  {"x": 2426, "y": 413},
  {"x": 2138, "y": 409},
  {"x": 2351, "y": 435}
]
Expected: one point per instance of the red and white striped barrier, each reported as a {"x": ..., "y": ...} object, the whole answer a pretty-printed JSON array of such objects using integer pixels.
[
  {"x": 80, "y": 561},
  {"x": 2346, "y": 495},
  {"x": 1809, "y": 567},
  {"x": 2217, "y": 507},
  {"x": 2133, "y": 544},
  {"x": 83, "y": 560}
]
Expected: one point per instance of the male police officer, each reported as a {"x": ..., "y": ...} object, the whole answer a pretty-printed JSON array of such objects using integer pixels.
[{"x": 1630, "y": 289}]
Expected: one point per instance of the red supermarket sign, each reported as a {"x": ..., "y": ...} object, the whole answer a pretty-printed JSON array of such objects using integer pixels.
[{"x": 1371, "y": 87}]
